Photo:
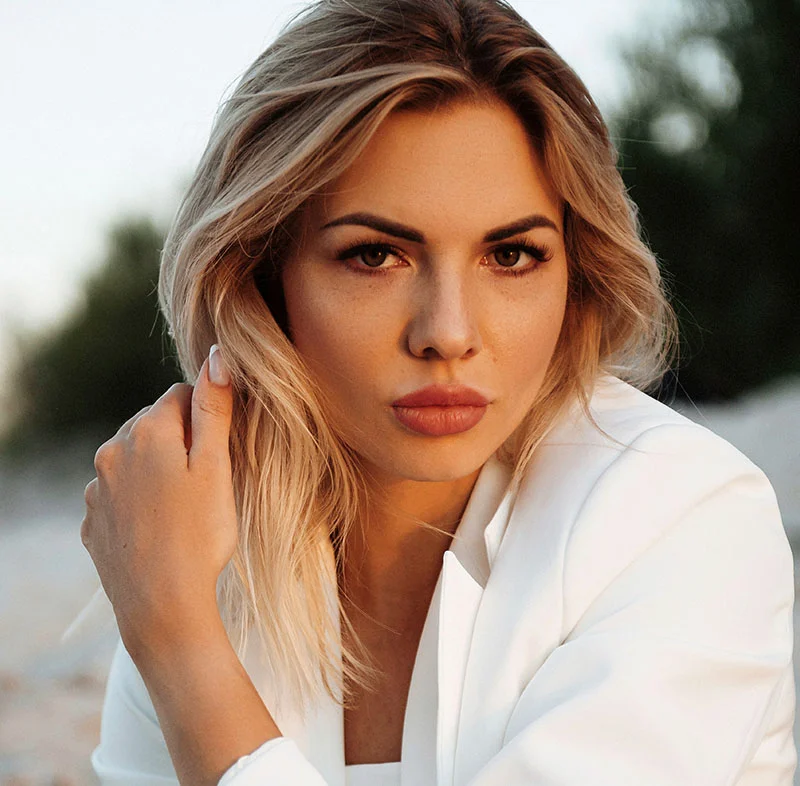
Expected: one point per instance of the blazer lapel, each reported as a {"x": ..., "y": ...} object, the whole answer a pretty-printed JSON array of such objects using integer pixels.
[
  {"x": 458, "y": 607},
  {"x": 434, "y": 701}
]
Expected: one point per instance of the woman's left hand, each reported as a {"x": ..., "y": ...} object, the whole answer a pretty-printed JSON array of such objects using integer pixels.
[{"x": 160, "y": 520}]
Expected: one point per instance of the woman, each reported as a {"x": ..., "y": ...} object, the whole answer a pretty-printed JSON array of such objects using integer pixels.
[{"x": 418, "y": 463}]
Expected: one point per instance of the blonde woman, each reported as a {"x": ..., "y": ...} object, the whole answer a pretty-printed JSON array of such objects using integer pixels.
[{"x": 416, "y": 520}]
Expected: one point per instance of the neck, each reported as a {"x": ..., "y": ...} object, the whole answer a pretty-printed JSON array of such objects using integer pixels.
[{"x": 392, "y": 561}]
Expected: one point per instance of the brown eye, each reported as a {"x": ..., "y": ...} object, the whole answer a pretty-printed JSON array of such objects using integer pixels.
[
  {"x": 374, "y": 256},
  {"x": 507, "y": 257},
  {"x": 369, "y": 258}
]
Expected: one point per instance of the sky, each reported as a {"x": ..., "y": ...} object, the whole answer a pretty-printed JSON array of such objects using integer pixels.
[{"x": 106, "y": 108}]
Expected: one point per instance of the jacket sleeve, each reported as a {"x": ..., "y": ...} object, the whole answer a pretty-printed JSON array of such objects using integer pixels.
[
  {"x": 132, "y": 749},
  {"x": 679, "y": 667}
]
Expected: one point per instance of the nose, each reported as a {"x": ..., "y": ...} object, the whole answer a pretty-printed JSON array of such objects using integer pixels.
[{"x": 444, "y": 320}]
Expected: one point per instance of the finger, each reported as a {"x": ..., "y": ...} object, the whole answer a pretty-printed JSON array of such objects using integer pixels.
[
  {"x": 85, "y": 533},
  {"x": 212, "y": 407},
  {"x": 90, "y": 493},
  {"x": 126, "y": 426},
  {"x": 170, "y": 413}
]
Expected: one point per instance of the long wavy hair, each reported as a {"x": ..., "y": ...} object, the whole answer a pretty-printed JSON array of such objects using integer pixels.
[{"x": 299, "y": 116}]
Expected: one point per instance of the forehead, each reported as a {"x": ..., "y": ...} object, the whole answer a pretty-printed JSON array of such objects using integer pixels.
[{"x": 461, "y": 168}]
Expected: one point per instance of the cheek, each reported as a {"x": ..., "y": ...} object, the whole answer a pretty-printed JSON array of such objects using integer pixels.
[
  {"x": 342, "y": 345},
  {"x": 308, "y": 314},
  {"x": 527, "y": 340}
]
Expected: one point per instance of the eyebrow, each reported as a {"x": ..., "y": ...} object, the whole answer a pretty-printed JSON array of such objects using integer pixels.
[{"x": 415, "y": 236}]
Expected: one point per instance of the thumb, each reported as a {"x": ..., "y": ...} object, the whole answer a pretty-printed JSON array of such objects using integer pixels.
[{"x": 212, "y": 407}]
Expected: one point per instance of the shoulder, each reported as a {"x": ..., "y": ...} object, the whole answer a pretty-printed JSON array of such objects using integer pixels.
[
  {"x": 657, "y": 513},
  {"x": 631, "y": 452},
  {"x": 636, "y": 460},
  {"x": 631, "y": 434},
  {"x": 649, "y": 485}
]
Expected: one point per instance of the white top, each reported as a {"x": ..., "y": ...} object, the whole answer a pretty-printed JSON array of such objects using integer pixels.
[{"x": 385, "y": 774}]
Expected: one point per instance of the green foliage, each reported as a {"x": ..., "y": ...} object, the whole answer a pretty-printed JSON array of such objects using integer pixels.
[
  {"x": 710, "y": 151},
  {"x": 106, "y": 361}
]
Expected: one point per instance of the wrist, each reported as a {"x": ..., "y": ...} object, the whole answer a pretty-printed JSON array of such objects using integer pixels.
[{"x": 172, "y": 632}]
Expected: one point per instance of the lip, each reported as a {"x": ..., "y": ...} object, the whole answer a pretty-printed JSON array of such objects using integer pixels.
[
  {"x": 442, "y": 396},
  {"x": 439, "y": 421},
  {"x": 437, "y": 410}
]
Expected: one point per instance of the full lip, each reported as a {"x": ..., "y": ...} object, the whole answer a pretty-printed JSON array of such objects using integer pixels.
[{"x": 442, "y": 396}]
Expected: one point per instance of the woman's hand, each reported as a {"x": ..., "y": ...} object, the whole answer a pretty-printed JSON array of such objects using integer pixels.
[{"x": 160, "y": 520}]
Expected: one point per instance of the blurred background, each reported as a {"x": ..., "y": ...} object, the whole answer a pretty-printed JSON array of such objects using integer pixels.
[{"x": 106, "y": 109}]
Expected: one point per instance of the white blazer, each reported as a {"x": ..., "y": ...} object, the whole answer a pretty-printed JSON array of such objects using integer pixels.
[{"x": 622, "y": 618}]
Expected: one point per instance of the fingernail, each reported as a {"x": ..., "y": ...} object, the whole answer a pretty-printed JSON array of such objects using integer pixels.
[{"x": 217, "y": 370}]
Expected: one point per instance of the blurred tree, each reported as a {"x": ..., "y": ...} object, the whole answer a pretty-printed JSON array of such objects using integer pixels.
[
  {"x": 106, "y": 361},
  {"x": 710, "y": 150}
]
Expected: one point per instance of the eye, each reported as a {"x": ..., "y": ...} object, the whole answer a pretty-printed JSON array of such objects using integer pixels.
[
  {"x": 509, "y": 255},
  {"x": 371, "y": 255},
  {"x": 370, "y": 258}
]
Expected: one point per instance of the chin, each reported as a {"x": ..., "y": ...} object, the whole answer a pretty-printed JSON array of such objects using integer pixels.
[{"x": 431, "y": 465}]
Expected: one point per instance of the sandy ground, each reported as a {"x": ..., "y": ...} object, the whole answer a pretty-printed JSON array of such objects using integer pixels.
[{"x": 51, "y": 694}]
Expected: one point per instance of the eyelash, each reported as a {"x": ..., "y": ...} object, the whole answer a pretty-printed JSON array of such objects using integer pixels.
[{"x": 539, "y": 253}]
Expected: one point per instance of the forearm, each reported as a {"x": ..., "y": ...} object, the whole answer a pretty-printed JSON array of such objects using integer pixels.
[{"x": 208, "y": 708}]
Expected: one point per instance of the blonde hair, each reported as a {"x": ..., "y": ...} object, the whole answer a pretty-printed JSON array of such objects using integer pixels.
[{"x": 298, "y": 118}]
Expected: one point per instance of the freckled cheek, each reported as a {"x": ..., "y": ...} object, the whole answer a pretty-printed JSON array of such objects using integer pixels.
[
  {"x": 314, "y": 315},
  {"x": 346, "y": 348},
  {"x": 525, "y": 345}
]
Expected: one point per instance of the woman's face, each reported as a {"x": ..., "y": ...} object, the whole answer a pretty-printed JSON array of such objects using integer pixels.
[{"x": 436, "y": 258}]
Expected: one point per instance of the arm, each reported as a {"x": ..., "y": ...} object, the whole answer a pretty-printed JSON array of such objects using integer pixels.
[
  {"x": 160, "y": 526},
  {"x": 203, "y": 705},
  {"x": 208, "y": 709}
]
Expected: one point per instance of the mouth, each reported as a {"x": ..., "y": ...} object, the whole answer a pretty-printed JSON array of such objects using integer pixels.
[
  {"x": 437, "y": 421},
  {"x": 439, "y": 395}
]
